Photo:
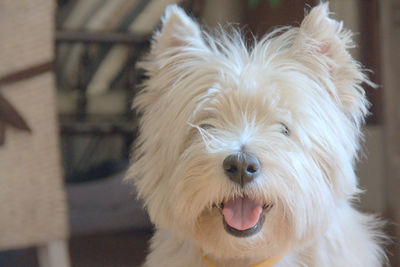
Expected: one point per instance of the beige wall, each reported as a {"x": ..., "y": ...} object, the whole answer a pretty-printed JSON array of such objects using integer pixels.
[
  {"x": 370, "y": 171},
  {"x": 390, "y": 53}
]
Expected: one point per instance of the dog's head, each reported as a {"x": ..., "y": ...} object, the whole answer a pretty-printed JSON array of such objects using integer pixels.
[{"x": 243, "y": 149}]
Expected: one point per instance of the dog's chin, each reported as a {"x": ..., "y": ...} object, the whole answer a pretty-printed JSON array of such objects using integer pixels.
[{"x": 243, "y": 217}]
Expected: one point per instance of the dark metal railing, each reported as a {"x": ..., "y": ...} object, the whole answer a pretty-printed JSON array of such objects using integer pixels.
[
  {"x": 81, "y": 124},
  {"x": 102, "y": 38}
]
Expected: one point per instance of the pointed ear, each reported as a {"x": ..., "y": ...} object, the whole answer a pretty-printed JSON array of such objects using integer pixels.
[
  {"x": 323, "y": 44},
  {"x": 177, "y": 31}
]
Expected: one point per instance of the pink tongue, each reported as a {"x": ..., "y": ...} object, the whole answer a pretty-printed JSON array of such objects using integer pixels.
[{"x": 241, "y": 213}]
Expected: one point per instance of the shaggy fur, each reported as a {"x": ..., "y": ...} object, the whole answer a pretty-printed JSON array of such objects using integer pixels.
[{"x": 294, "y": 99}]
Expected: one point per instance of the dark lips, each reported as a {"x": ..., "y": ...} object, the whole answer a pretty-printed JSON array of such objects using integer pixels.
[{"x": 244, "y": 233}]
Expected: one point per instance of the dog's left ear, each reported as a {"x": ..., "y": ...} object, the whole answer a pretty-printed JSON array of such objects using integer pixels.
[
  {"x": 178, "y": 30},
  {"x": 322, "y": 44}
]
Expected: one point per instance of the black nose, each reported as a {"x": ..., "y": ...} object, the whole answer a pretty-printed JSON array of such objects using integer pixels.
[{"x": 241, "y": 167}]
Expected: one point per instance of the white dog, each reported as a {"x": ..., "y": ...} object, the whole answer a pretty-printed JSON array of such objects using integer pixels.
[{"x": 246, "y": 154}]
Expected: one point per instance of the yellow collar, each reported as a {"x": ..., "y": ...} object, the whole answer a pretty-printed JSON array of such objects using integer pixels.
[{"x": 269, "y": 262}]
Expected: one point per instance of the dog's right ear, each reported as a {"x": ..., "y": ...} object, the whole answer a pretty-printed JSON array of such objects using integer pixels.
[{"x": 178, "y": 30}]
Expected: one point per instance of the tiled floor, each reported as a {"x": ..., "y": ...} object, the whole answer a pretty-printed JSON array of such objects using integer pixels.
[{"x": 125, "y": 249}]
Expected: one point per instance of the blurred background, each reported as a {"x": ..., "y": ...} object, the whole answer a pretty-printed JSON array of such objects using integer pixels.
[{"x": 70, "y": 203}]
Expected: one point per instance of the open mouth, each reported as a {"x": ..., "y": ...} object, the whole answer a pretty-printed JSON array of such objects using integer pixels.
[{"x": 242, "y": 216}]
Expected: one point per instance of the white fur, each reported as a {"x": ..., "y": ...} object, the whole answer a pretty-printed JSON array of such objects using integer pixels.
[{"x": 207, "y": 97}]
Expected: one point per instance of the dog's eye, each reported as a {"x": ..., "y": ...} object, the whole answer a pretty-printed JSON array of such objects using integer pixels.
[
  {"x": 206, "y": 126},
  {"x": 285, "y": 130}
]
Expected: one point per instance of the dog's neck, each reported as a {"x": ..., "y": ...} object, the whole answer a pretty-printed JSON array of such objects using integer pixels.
[{"x": 268, "y": 262}]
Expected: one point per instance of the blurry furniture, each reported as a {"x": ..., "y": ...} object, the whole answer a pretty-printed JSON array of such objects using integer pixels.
[
  {"x": 33, "y": 209},
  {"x": 97, "y": 46}
]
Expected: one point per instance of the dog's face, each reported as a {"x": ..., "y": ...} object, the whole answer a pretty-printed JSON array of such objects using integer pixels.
[{"x": 248, "y": 149}]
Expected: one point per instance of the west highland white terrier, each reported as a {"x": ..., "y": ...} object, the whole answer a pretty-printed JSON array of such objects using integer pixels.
[{"x": 246, "y": 154}]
